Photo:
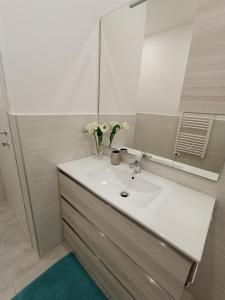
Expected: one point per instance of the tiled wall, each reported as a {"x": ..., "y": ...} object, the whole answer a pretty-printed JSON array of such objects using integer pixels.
[
  {"x": 204, "y": 89},
  {"x": 156, "y": 134},
  {"x": 123, "y": 137},
  {"x": 210, "y": 282},
  {"x": 45, "y": 141}
]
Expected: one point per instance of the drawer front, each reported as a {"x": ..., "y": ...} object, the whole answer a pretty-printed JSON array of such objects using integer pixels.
[
  {"x": 132, "y": 277},
  {"x": 109, "y": 285},
  {"x": 164, "y": 264}
]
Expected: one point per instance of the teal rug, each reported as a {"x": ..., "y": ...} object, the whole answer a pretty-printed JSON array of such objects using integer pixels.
[{"x": 65, "y": 280}]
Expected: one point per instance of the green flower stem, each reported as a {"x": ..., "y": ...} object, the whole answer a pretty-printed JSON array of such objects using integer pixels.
[
  {"x": 98, "y": 135},
  {"x": 115, "y": 129},
  {"x": 111, "y": 139},
  {"x": 96, "y": 144}
]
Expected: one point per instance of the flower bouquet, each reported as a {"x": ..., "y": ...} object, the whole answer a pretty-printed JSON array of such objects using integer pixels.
[
  {"x": 97, "y": 131},
  {"x": 114, "y": 128}
]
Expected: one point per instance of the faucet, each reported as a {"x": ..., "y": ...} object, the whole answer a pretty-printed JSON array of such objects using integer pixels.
[{"x": 136, "y": 163}]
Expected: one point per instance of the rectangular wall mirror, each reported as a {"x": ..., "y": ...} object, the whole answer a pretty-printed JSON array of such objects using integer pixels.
[{"x": 144, "y": 55}]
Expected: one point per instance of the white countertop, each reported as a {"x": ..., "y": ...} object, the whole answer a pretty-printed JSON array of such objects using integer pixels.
[{"x": 179, "y": 215}]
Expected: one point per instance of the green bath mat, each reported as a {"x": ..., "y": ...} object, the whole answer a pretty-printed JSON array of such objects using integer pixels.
[{"x": 65, "y": 280}]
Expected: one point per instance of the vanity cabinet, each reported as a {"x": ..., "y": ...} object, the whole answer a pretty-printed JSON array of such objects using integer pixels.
[{"x": 125, "y": 259}]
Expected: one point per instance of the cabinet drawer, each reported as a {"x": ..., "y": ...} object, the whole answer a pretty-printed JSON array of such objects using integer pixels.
[
  {"x": 106, "y": 281},
  {"x": 163, "y": 263},
  {"x": 139, "y": 284}
]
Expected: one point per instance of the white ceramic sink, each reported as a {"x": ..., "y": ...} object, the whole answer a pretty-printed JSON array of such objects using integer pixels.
[
  {"x": 179, "y": 215},
  {"x": 126, "y": 185}
]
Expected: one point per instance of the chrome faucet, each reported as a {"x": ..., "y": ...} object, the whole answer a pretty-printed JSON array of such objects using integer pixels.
[{"x": 136, "y": 163}]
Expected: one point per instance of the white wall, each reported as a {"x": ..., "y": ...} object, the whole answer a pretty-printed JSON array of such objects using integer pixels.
[
  {"x": 50, "y": 54},
  {"x": 163, "y": 14},
  {"x": 164, "y": 63},
  {"x": 122, "y": 40}
]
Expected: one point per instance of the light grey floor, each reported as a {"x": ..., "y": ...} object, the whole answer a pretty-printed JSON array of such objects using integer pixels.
[{"x": 19, "y": 264}]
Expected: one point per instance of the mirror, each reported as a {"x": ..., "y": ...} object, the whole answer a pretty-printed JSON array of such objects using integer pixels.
[{"x": 144, "y": 54}]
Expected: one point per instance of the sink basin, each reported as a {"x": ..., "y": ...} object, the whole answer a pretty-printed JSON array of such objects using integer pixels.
[
  {"x": 168, "y": 209},
  {"x": 122, "y": 183}
]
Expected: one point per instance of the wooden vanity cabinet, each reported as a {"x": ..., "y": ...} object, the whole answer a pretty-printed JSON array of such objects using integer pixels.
[{"x": 138, "y": 264}]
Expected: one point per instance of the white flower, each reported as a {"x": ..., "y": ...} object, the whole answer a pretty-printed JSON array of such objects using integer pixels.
[
  {"x": 113, "y": 124},
  {"x": 91, "y": 127},
  {"x": 104, "y": 127},
  {"x": 125, "y": 125}
]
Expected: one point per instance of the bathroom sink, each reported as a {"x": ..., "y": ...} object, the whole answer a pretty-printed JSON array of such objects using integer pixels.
[
  {"x": 124, "y": 184},
  {"x": 170, "y": 210}
]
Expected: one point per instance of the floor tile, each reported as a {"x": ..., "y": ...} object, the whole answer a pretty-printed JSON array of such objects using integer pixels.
[
  {"x": 42, "y": 266},
  {"x": 20, "y": 264},
  {"x": 7, "y": 293}
]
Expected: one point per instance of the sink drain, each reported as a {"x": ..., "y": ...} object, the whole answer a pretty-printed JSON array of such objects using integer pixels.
[{"x": 124, "y": 194}]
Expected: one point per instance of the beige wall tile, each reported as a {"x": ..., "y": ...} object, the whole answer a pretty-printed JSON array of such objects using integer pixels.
[
  {"x": 48, "y": 218},
  {"x": 205, "y": 290},
  {"x": 46, "y": 141},
  {"x": 23, "y": 179},
  {"x": 123, "y": 138},
  {"x": 41, "y": 132},
  {"x": 204, "y": 91},
  {"x": 196, "y": 182},
  {"x": 156, "y": 134},
  {"x": 48, "y": 225},
  {"x": 212, "y": 266},
  {"x": 44, "y": 194},
  {"x": 16, "y": 256},
  {"x": 204, "y": 86},
  {"x": 50, "y": 239}
]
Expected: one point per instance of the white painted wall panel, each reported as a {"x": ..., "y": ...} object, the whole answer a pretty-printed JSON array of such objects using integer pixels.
[{"x": 50, "y": 54}]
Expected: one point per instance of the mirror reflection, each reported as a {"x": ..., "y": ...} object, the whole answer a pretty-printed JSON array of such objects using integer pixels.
[{"x": 144, "y": 55}]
